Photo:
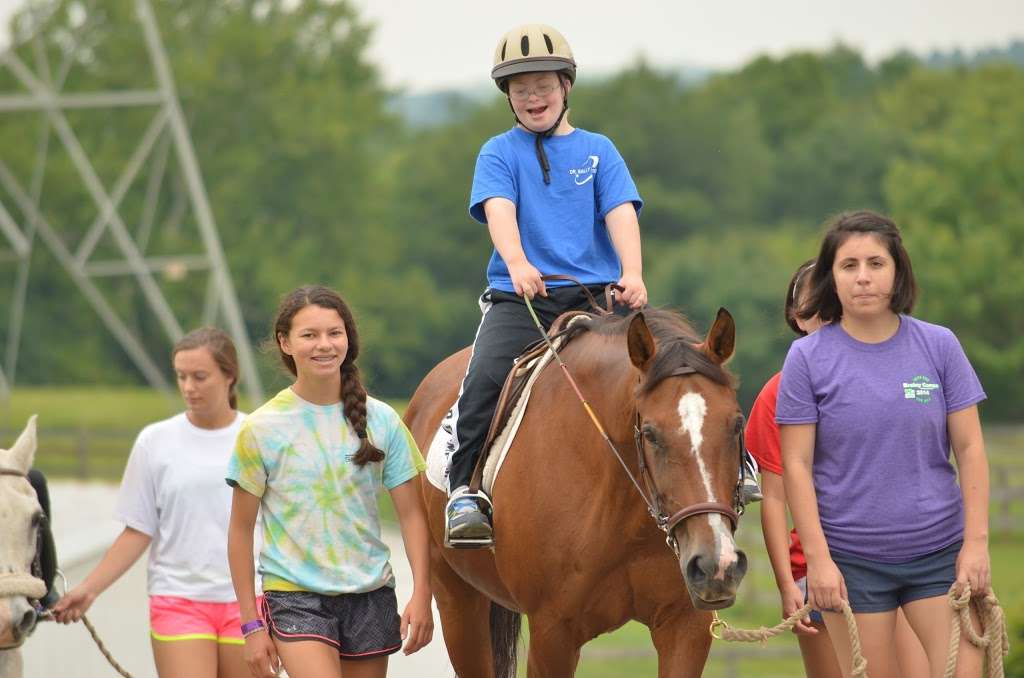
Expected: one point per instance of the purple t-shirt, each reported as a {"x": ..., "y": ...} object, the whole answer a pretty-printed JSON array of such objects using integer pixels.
[{"x": 885, "y": 485}]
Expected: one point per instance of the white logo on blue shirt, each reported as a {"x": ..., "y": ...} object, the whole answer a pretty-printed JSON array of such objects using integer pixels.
[{"x": 587, "y": 172}]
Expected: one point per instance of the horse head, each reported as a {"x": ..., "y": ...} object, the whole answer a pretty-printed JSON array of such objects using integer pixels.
[
  {"x": 20, "y": 519},
  {"x": 689, "y": 428}
]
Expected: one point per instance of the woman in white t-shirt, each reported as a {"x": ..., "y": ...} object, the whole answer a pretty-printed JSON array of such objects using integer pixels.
[{"x": 173, "y": 500}]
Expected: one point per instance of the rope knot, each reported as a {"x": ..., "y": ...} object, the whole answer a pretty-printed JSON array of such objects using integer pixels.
[{"x": 960, "y": 601}]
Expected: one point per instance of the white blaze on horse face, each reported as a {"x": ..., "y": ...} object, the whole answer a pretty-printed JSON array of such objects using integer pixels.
[{"x": 692, "y": 410}]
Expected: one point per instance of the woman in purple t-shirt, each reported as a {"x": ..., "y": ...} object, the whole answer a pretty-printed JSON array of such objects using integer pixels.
[{"x": 869, "y": 407}]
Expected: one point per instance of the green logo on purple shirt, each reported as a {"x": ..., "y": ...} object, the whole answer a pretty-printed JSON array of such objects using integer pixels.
[{"x": 919, "y": 388}]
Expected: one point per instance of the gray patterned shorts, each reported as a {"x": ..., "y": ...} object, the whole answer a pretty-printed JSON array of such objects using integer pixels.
[{"x": 357, "y": 625}]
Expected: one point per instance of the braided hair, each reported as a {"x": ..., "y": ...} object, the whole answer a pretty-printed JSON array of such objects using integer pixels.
[{"x": 353, "y": 395}]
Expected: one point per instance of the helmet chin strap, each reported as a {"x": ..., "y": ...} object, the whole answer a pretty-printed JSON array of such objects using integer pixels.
[{"x": 539, "y": 137}]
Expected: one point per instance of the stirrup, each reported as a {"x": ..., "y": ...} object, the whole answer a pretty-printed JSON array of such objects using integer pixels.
[
  {"x": 750, "y": 491},
  {"x": 486, "y": 508}
]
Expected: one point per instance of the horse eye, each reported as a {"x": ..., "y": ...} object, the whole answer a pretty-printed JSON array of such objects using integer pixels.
[
  {"x": 37, "y": 519},
  {"x": 650, "y": 435},
  {"x": 738, "y": 426}
]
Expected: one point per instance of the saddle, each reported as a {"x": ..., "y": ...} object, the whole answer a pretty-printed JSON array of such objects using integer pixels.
[{"x": 517, "y": 383}]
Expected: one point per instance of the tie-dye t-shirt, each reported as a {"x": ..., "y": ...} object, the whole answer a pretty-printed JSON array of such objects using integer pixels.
[{"x": 321, "y": 528}]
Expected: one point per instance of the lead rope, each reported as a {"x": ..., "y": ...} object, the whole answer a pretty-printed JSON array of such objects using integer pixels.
[
  {"x": 651, "y": 507},
  {"x": 721, "y": 630},
  {"x": 103, "y": 648},
  {"x": 993, "y": 640},
  {"x": 92, "y": 632}
]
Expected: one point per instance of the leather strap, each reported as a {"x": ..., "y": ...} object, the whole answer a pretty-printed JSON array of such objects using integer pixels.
[
  {"x": 703, "y": 507},
  {"x": 586, "y": 290}
]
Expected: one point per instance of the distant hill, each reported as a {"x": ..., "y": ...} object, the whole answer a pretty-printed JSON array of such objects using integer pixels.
[
  {"x": 439, "y": 107},
  {"x": 431, "y": 109},
  {"x": 1013, "y": 53}
]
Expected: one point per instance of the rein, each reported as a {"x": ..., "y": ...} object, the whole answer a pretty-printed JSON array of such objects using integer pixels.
[{"x": 651, "y": 497}]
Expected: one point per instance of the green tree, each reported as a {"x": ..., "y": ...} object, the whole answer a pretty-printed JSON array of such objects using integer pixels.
[
  {"x": 957, "y": 194},
  {"x": 289, "y": 122},
  {"x": 745, "y": 270}
]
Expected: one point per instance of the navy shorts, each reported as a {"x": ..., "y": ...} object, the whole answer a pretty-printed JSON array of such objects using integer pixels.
[
  {"x": 880, "y": 587},
  {"x": 357, "y": 625}
]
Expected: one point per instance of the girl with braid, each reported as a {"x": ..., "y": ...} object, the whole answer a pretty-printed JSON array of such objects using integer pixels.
[{"x": 313, "y": 459}]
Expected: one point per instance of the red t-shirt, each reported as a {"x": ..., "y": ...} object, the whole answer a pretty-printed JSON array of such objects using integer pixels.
[{"x": 762, "y": 438}]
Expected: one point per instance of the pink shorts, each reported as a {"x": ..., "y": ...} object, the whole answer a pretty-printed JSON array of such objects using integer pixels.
[{"x": 173, "y": 618}]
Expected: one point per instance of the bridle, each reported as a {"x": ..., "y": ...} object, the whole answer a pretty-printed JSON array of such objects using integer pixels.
[
  {"x": 652, "y": 497},
  {"x": 29, "y": 584}
]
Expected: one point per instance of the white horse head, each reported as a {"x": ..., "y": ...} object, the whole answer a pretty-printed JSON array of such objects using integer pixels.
[{"x": 20, "y": 514}]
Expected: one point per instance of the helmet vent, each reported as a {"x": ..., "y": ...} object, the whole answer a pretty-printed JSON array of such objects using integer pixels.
[
  {"x": 504, "y": 45},
  {"x": 547, "y": 41},
  {"x": 524, "y": 45}
]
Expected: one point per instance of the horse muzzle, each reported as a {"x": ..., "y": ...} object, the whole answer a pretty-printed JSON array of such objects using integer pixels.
[
  {"x": 711, "y": 585},
  {"x": 19, "y": 628}
]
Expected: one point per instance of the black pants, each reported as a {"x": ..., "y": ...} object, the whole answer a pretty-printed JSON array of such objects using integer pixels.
[{"x": 505, "y": 330}]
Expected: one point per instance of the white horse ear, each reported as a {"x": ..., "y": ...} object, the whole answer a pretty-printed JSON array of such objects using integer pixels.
[{"x": 24, "y": 451}]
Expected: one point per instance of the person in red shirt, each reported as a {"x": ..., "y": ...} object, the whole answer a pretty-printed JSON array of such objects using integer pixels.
[{"x": 784, "y": 550}]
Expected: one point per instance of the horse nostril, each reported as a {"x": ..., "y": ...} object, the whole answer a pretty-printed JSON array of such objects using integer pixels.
[
  {"x": 27, "y": 623},
  {"x": 738, "y": 569},
  {"x": 697, "y": 569}
]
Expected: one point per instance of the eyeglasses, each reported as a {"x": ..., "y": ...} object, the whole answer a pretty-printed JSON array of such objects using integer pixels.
[{"x": 521, "y": 93}]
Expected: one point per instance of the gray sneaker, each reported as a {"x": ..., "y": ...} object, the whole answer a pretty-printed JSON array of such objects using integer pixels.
[
  {"x": 468, "y": 521},
  {"x": 750, "y": 491}
]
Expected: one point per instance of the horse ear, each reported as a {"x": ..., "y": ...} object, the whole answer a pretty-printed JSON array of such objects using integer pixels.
[
  {"x": 640, "y": 342},
  {"x": 24, "y": 450},
  {"x": 720, "y": 344}
]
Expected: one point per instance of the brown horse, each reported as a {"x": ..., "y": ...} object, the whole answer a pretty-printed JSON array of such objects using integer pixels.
[{"x": 576, "y": 548}]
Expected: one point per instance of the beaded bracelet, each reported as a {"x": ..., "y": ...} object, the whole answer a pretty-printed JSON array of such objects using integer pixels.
[{"x": 249, "y": 628}]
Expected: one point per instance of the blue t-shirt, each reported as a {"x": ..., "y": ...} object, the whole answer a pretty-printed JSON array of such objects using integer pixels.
[
  {"x": 886, "y": 488},
  {"x": 561, "y": 224}
]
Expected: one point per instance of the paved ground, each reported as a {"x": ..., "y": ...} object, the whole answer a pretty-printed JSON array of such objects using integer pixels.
[{"x": 83, "y": 529}]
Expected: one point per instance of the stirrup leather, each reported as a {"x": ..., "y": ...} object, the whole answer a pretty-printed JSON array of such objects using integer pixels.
[{"x": 486, "y": 508}]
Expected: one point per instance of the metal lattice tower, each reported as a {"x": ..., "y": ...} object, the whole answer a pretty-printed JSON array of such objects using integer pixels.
[{"x": 167, "y": 133}]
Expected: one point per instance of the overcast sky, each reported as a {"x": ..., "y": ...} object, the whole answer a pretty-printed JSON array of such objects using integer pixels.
[{"x": 428, "y": 44}]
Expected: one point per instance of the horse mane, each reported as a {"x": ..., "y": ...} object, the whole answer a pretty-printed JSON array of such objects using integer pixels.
[{"x": 675, "y": 339}]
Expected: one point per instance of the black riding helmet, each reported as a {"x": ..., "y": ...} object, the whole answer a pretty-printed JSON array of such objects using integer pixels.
[{"x": 534, "y": 48}]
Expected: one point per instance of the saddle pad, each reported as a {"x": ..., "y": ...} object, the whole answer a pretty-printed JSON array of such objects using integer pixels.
[{"x": 438, "y": 456}]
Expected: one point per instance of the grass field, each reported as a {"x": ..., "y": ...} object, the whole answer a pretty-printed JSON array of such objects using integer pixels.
[{"x": 89, "y": 432}]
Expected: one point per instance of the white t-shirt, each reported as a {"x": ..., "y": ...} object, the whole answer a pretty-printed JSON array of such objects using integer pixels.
[{"x": 173, "y": 490}]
